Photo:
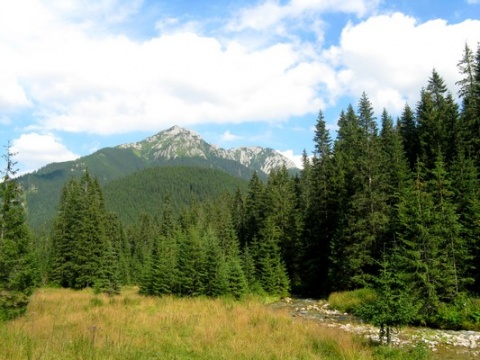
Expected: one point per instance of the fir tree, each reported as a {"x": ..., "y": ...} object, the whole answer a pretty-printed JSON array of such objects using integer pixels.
[
  {"x": 254, "y": 208},
  {"x": 269, "y": 268},
  {"x": 469, "y": 92},
  {"x": 319, "y": 214},
  {"x": 437, "y": 117},
  {"x": 409, "y": 132},
  {"x": 17, "y": 277},
  {"x": 83, "y": 253},
  {"x": 432, "y": 250},
  {"x": 280, "y": 207},
  {"x": 393, "y": 305}
]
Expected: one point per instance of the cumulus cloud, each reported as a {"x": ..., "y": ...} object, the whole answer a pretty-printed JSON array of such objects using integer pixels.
[
  {"x": 297, "y": 159},
  {"x": 77, "y": 82},
  {"x": 73, "y": 79},
  {"x": 391, "y": 57},
  {"x": 36, "y": 150}
]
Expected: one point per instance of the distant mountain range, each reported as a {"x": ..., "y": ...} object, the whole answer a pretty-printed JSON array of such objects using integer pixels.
[{"x": 174, "y": 147}]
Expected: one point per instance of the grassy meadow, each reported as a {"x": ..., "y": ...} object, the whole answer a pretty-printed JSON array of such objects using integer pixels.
[{"x": 66, "y": 324}]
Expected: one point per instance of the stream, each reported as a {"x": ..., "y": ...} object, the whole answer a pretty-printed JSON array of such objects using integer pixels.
[{"x": 445, "y": 344}]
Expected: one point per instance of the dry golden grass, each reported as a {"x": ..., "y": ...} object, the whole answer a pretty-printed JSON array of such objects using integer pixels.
[{"x": 66, "y": 324}]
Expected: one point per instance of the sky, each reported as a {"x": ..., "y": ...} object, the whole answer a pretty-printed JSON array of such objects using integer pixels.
[{"x": 80, "y": 75}]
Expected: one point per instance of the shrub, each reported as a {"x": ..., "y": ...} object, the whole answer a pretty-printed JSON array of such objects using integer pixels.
[{"x": 350, "y": 301}]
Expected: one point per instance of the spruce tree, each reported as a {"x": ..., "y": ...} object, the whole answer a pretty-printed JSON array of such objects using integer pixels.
[
  {"x": 466, "y": 197},
  {"x": 269, "y": 267},
  {"x": 67, "y": 225},
  {"x": 280, "y": 207},
  {"x": 394, "y": 166},
  {"x": 83, "y": 253},
  {"x": 254, "y": 209},
  {"x": 319, "y": 213},
  {"x": 469, "y": 92},
  {"x": 393, "y": 305},
  {"x": 191, "y": 262},
  {"x": 365, "y": 203},
  {"x": 346, "y": 150},
  {"x": 437, "y": 118},
  {"x": 17, "y": 275},
  {"x": 432, "y": 251},
  {"x": 409, "y": 132}
]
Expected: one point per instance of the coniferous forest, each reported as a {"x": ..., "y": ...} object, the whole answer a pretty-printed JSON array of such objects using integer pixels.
[{"x": 389, "y": 204}]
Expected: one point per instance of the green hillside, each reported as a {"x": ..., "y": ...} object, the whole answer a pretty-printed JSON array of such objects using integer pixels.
[
  {"x": 42, "y": 188},
  {"x": 145, "y": 191}
]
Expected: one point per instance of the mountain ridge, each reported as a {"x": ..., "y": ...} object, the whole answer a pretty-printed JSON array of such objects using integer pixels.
[
  {"x": 175, "y": 146},
  {"x": 254, "y": 157}
]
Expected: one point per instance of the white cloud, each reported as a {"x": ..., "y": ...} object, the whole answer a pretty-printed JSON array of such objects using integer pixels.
[
  {"x": 36, "y": 150},
  {"x": 227, "y": 136},
  {"x": 271, "y": 13},
  {"x": 100, "y": 11},
  {"x": 471, "y": 2},
  {"x": 72, "y": 79},
  {"x": 391, "y": 57},
  {"x": 112, "y": 84},
  {"x": 297, "y": 159}
]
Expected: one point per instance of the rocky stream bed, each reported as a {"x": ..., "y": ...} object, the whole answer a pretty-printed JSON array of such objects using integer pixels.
[{"x": 445, "y": 344}]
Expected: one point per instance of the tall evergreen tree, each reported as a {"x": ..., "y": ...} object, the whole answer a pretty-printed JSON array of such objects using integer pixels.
[
  {"x": 409, "y": 132},
  {"x": 17, "y": 277},
  {"x": 319, "y": 223},
  {"x": 366, "y": 208},
  {"x": 269, "y": 267},
  {"x": 346, "y": 150},
  {"x": 466, "y": 197},
  {"x": 469, "y": 92},
  {"x": 280, "y": 207},
  {"x": 432, "y": 249},
  {"x": 396, "y": 172},
  {"x": 437, "y": 117},
  {"x": 83, "y": 254}
]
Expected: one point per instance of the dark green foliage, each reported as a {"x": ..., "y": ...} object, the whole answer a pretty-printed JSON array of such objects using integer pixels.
[
  {"x": 254, "y": 209},
  {"x": 17, "y": 271},
  {"x": 363, "y": 209},
  {"x": 316, "y": 189},
  {"x": 281, "y": 208},
  {"x": 410, "y": 138},
  {"x": 467, "y": 199},
  {"x": 437, "y": 117},
  {"x": 147, "y": 191},
  {"x": 42, "y": 188},
  {"x": 85, "y": 241},
  {"x": 270, "y": 270},
  {"x": 432, "y": 251},
  {"x": 393, "y": 305}
]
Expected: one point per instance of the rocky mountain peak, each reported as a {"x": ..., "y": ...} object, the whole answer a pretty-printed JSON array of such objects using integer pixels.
[{"x": 178, "y": 142}]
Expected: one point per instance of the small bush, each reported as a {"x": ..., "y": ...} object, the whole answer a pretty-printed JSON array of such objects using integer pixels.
[
  {"x": 419, "y": 351},
  {"x": 12, "y": 304},
  {"x": 463, "y": 314},
  {"x": 350, "y": 301}
]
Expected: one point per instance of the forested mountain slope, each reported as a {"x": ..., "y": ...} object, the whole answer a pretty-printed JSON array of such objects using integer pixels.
[
  {"x": 172, "y": 147},
  {"x": 147, "y": 191}
]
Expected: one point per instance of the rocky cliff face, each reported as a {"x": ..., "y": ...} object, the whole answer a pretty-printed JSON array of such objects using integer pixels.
[{"x": 178, "y": 142}]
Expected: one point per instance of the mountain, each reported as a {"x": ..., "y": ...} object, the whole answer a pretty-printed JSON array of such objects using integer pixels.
[
  {"x": 172, "y": 147},
  {"x": 177, "y": 143}
]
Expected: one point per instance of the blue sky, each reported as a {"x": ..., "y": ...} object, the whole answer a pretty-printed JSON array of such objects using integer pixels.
[{"x": 80, "y": 75}]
